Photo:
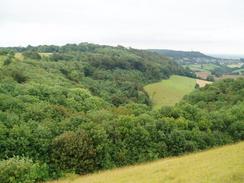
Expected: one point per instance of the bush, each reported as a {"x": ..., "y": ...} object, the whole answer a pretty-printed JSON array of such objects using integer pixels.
[
  {"x": 19, "y": 77},
  {"x": 7, "y": 61},
  {"x": 83, "y": 151},
  {"x": 21, "y": 170}
]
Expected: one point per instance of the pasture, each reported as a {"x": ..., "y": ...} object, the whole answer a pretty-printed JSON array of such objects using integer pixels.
[
  {"x": 202, "y": 67},
  {"x": 169, "y": 92}
]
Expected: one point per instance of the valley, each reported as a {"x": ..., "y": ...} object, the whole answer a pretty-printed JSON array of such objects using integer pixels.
[
  {"x": 125, "y": 91},
  {"x": 84, "y": 108}
]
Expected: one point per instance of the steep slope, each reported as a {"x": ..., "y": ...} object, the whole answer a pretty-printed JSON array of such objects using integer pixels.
[{"x": 225, "y": 164}]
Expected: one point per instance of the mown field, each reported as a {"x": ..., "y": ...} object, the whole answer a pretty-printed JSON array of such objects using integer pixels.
[
  {"x": 202, "y": 67},
  {"x": 227, "y": 76},
  {"x": 220, "y": 165},
  {"x": 169, "y": 92}
]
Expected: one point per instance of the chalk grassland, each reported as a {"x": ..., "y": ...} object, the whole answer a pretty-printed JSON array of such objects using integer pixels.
[
  {"x": 220, "y": 165},
  {"x": 169, "y": 92},
  {"x": 202, "y": 83}
]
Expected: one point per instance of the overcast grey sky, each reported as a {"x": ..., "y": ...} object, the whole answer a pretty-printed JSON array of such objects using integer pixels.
[{"x": 210, "y": 26}]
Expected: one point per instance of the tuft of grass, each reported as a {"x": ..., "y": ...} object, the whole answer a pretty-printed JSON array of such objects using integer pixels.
[
  {"x": 219, "y": 165},
  {"x": 169, "y": 92}
]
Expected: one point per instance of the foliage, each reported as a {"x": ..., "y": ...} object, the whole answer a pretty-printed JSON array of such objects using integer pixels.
[
  {"x": 89, "y": 111},
  {"x": 21, "y": 170},
  {"x": 31, "y": 55}
]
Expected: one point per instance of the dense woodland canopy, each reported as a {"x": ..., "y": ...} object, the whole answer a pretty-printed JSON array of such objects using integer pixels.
[
  {"x": 116, "y": 74},
  {"x": 82, "y": 108}
]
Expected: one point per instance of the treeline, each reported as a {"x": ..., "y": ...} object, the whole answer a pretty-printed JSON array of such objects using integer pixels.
[
  {"x": 116, "y": 74},
  {"x": 83, "y": 139},
  {"x": 58, "y": 117}
]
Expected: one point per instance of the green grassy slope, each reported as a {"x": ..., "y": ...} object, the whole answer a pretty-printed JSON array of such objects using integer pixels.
[
  {"x": 168, "y": 92},
  {"x": 203, "y": 67},
  {"x": 220, "y": 165}
]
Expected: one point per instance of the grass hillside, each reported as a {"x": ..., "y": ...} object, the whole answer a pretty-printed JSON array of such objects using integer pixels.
[
  {"x": 220, "y": 165},
  {"x": 170, "y": 91}
]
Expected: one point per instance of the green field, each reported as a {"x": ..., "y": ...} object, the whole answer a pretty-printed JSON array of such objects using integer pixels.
[
  {"x": 238, "y": 71},
  {"x": 169, "y": 92},
  {"x": 202, "y": 67},
  {"x": 220, "y": 165}
]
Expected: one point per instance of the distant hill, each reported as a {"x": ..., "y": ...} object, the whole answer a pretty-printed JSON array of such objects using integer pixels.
[
  {"x": 199, "y": 62},
  {"x": 181, "y": 54}
]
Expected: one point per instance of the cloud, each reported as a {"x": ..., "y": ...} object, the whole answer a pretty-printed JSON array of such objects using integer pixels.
[{"x": 205, "y": 25}]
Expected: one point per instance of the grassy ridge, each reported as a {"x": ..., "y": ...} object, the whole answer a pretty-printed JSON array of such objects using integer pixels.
[
  {"x": 220, "y": 165},
  {"x": 168, "y": 92}
]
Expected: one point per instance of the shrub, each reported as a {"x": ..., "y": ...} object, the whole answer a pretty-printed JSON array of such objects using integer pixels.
[
  {"x": 19, "y": 77},
  {"x": 32, "y": 55},
  {"x": 7, "y": 61},
  {"x": 83, "y": 151},
  {"x": 21, "y": 170}
]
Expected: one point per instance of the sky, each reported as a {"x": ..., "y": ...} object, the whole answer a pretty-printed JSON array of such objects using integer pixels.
[{"x": 209, "y": 26}]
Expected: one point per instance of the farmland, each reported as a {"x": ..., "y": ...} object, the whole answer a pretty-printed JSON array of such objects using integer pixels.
[
  {"x": 225, "y": 164},
  {"x": 202, "y": 67},
  {"x": 227, "y": 76},
  {"x": 168, "y": 92}
]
